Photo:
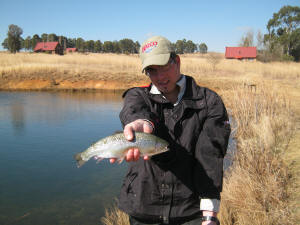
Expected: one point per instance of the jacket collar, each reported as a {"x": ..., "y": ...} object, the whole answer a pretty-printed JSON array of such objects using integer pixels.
[
  {"x": 182, "y": 85},
  {"x": 192, "y": 91}
]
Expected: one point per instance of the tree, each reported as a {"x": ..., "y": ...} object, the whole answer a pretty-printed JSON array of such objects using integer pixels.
[
  {"x": 259, "y": 41},
  {"x": 89, "y": 46},
  {"x": 190, "y": 47},
  {"x": 71, "y": 42},
  {"x": 35, "y": 39},
  {"x": 79, "y": 44},
  {"x": 108, "y": 46},
  {"x": 247, "y": 39},
  {"x": 14, "y": 38},
  {"x": 116, "y": 47},
  {"x": 137, "y": 47},
  {"x": 295, "y": 44},
  {"x": 127, "y": 46},
  {"x": 5, "y": 43},
  {"x": 98, "y": 46},
  {"x": 179, "y": 47},
  {"x": 44, "y": 37},
  {"x": 203, "y": 48},
  {"x": 27, "y": 43},
  {"x": 52, "y": 37},
  {"x": 282, "y": 29}
]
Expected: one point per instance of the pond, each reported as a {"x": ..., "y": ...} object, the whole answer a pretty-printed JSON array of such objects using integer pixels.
[{"x": 39, "y": 180}]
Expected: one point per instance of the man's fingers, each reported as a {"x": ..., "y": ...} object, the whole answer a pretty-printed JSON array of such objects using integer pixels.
[
  {"x": 136, "y": 154},
  {"x": 128, "y": 132},
  {"x": 129, "y": 155},
  {"x": 112, "y": 160},
  {"x": 147, "y": 128},
  {"x": 137, "y": 126}
]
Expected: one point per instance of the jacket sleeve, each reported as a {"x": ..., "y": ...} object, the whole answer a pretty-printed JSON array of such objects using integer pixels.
[
  {"x": 211, "y": 148},
  {"x": 136, "y": 106}
]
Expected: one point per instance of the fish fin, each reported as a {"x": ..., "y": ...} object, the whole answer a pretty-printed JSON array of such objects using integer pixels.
[
  {"x": 120, "y": 160},
  {"x": 79, "y": 160},
  {"x": 99, "y": 159}
]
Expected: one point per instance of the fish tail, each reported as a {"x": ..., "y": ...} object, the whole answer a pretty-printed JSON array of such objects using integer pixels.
[{"x": 79, "y": 160}]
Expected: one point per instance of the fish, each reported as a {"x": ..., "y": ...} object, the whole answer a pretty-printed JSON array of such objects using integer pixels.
[{"x": 116, "y": 146}]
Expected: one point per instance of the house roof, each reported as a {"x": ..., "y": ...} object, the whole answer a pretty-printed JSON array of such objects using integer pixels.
[
  {"x": 45, "y": 46},
  {"x": 71, "y": 49},
  {"x": 240, "y": 52}
]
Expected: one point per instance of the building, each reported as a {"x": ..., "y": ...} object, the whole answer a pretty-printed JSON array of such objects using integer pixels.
[
  {"x": 68, "y": 50},
  {"x": 49, "y": 47},
  {"x": 248, "y": 53}
]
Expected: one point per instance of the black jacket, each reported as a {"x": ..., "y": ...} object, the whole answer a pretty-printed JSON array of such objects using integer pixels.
[{"x": 170, "y": 185}]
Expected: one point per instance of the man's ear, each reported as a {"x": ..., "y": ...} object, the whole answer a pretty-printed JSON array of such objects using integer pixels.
[{"x": 177, "y": 60}]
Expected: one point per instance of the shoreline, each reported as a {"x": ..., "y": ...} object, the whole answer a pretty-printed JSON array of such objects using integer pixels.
[{"x": 66, "y": 85}]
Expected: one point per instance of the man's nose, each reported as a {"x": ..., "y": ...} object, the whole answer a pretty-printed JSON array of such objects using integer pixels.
[{"x": 160, "y": 74}]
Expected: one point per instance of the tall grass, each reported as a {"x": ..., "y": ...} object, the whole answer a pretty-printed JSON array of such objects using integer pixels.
[
  {"x": 256, "y": 186},
  {"x": 114, "y": 216}
]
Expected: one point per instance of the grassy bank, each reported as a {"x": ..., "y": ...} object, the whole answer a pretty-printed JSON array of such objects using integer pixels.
[{"x": 262, "y": 186}]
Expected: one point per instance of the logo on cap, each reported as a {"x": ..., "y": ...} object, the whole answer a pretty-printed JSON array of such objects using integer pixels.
[{"x": 149, "y": 46}]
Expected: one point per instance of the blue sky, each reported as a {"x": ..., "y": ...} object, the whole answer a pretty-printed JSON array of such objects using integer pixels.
[{"x": 216, "y": 23}]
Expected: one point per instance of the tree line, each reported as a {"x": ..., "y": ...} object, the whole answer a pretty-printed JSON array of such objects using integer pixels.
[{"x": 14, "y": 43}]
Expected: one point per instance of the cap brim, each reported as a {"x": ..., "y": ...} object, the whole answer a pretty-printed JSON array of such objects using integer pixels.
[{"x": 158, "y": 60}]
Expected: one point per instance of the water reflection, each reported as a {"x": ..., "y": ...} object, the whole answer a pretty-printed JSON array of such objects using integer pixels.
[{"x": 18, "y": 117}]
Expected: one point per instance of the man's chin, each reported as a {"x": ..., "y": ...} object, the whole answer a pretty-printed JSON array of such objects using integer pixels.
[{"x": 163, "y": 90}]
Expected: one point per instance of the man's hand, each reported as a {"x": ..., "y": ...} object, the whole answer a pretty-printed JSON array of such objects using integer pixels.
[{"x": 139, "y": 125}]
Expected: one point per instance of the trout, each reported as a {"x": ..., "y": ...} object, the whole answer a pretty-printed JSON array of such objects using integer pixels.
[{"x": 116, "y": 146}]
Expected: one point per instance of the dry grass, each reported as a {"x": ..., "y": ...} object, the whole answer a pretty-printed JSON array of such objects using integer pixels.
[
  {"x": 114, "y": 216},
  {"x": 256, "y": 187},
  {"x": 262, "y": 185}
]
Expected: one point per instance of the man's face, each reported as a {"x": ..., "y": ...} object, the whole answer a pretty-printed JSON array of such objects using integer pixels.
[{"x": 165, "y": 77}]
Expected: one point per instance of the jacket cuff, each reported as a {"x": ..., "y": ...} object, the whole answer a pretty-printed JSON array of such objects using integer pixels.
[{"x": 210, "y": 204}]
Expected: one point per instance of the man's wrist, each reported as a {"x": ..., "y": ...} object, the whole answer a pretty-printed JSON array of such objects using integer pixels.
[
  {"x": 209, "y": 213},
  {"x": 211, "y": 218}
]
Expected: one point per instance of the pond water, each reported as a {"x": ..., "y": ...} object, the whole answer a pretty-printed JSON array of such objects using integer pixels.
[{"x": 39, "y": 180}]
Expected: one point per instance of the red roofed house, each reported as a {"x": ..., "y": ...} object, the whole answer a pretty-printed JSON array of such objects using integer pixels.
[
  {"x": 51, "y": 47},
  {"x": 71, "y": 50},
  {"x": 240, "y": 53}
]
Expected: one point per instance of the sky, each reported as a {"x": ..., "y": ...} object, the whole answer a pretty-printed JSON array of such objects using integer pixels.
[{"x": 217, "y": 23}]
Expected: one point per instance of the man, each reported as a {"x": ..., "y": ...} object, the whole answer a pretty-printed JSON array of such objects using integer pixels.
[{"x": 182, "y": 185}]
